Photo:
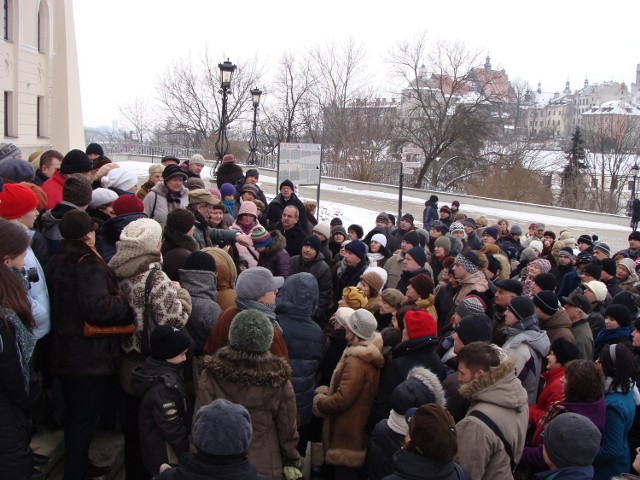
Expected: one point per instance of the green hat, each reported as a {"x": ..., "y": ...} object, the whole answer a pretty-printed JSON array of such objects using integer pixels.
[{"x": 251, "y": 331}]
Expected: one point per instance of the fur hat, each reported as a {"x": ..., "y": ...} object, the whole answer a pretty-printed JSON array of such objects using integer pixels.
[
  {"x": 200, "y": 261},
  {"x": 168, "y": 342},
  {"x": 286, "y": 183},
  {"x": 357, "y": 229},
  {"x": 476, "y": 327},
  {"x": 418, "y": 255},
  {"x": 412, "y": 237},
  {"x": 120, "y": 178},
  {"x": 222, "y": 429},
  {"x": 260, "y": 237},
  {"x": 251, "y": 331},
  {"x": 357, "y": 247},
  {"x": 75, "y": 224},
  {"x": 201, "y": 195},
  {"x": 75, "y": 161},
  {"x": 470, "y": 305},
  {"x": 420, "y": 324},
  {"x": 16, "y": 170},
  {"x": 546, "y": 281},
  {"x": 16, "y": 200},
  {"x": 8, "y": 150},
  {"x": 95, "y": 148},
  {"x": 422, "y": 284},
  {"x": 521, "y": 307},
  {"x": 313, "y": 242},
  {"x": 560, "y": 443},
  {"x": 171, "y": 171},
  {"x": 324, "y": 229},
  {"x": 433, "y": 432},
  {"x": 444, "y": 242},
  {"x": 180, "y": 220},
  {"x": 102, "y": 196},
  {"x": 362, "y": 324},
  {"x": 227, "y": 189},
  {"x": 77, "y": 190},
  {"x": 598, "y": 288},
  {"x": 127, "y": 204},
  {"x": 254, "y": 282},
  {"x": 381, "y": 239},
  {"x": 353, "y": 298},
  {"x": 374, "y": 280},
  {"x": 546, "y": 301},
  {"x": 393, "y": 297},
  {"x": 619, "y": 313}
]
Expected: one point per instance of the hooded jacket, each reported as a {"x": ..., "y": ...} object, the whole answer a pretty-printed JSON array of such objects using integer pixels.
[
  {"x": 322, "y": 273},
  {"x": 226, "y": 278},
  {"x": 205, "y": 467},
  {"x": 176, "y": 247},
  {"x": 205, "y": 311},
  {"x": 429, "y": 214},
  {"x": 558, "y": 326},
  {"x": 295, "y": 303},
  {"x": 275, "y": 258},
  {"x": 49, "y": 223},
  {"x": 498, "y": 394}
]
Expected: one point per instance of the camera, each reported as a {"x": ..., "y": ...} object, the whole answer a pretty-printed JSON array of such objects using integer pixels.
[{"x": 31, "y": 274}]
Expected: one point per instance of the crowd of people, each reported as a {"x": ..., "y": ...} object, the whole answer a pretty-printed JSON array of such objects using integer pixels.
[{"x": 230, "y": 337}]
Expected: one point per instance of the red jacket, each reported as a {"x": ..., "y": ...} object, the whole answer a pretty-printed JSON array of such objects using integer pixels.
[
  {"x": 53, "y": 189},
  {"x": 552, "y": 392}
]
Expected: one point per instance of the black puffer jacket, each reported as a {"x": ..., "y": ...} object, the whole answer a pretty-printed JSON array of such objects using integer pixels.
[
  {"x": 278, "y": 204},
  {"x": 411, "y": 465},
  {"x": 83, "y": 288},
  {"x": 206, "y": 467},
  {"x": 228, "y": 173},
  {"x": 296, "y": 301},
  {"x": 382, "y": 441},
  {"x": 322, "y": 273},
  {"x": 347, "y": 277},
  {"x": 109, "y": 233},
  {"x": 163, "y": 411}
]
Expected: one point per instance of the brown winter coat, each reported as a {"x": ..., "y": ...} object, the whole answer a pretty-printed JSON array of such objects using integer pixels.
[
  {"x": 347, "y": 404},
  {"x": 261, "y": 383},
  {"x": 226, "y": 279},
  {"x": 558, "y": 326}
]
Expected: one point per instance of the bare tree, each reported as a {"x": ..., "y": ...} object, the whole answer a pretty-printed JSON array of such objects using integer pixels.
[{"x": 139, "y": 117}]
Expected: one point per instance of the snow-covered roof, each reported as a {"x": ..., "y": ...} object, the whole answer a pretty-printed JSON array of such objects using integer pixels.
[{"x": 614, "y": 107}]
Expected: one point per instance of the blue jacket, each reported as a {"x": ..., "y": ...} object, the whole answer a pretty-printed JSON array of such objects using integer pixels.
[
  {"x": 429, "y": 214},
  {"x": 297, "y": 300}
]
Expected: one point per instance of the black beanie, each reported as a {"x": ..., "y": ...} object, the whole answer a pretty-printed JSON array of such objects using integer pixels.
[
  {"x": 286, "y": 183},
  {"x": 546, "y": 281},
  {"x": 200, "y": 261},
  {"x": 564, "y": 350},
  {"x": 476, "y": 327},
  {"x": 168, "y": 342},
  {"x": 412, "y": 237},
  {"x": 95, "y": 148},
  {"x": 620, "y": 314},
  {"x": 357, "y": 230},
  {"x": 77, "y": 190},
  {"x": 312, "y": 241},
  {"x": 417, "y": 253},
  {"x": 546, "y": 301},
  {"x": 609, "y": 266},
  {"x": 180, "y": 220},
  {"x": 335, "y": 221},
  {"x": 521, "y": 307},
  {"x": 75, "y": 161}
]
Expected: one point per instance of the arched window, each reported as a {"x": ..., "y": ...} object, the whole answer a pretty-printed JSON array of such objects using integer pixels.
[{"x": 43, "y": 27}]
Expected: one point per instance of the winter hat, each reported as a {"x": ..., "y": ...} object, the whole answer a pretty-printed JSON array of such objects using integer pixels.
[
  {"x": 247, "y": 208},
  {"x": 353, "y": 298},
  {"x": 194, "y": 183},
  {"x": 627, "y": 299},
  {"x": 566, "y": 252},
  {"x": 415, "y": 391},
  {"x": 445, "y": 209},
  {"x": 155, "y": 168},
  {"x": 593, "y": 270},
  {"x": 374, "y": 280},
  {"x": 512, "y": 286},
  {"x": 102, "y": 196},
  {"x": 383, "y": 217},
  {"x": 586, "y": 239},
  {"x": 469, "y": 261},
  {"x": 171, "y": 171},
  {"x": 286, "y": 183},
  {"x": 77, "y": 190},
  {"x": 433, "y": 199},
  {"x": 602, "y": 247},
  {"x": 249, "y": 187},
  {"x": 470, "y": 222},
  {"x": 260, "y": 237},
  {"x": 608, "y": 266},
  {"x": 536, "y": 245},
  {"x": 470, "y": 305},
  {"x": 75, "y": 161},
  {"x": 528, "y": 254},
  {"x": 543, "y": 265},
  {"x": 201, "y": 195},
  {"x": 598, "y": 288},
  {"x": 16, "y": 200},
  {"x": 635, "y": 235},
  {"x": 168, "y": 342},
  {"x": 324, "y": 229},
  {"x": 8, "y": 150},
  {"x": 362, "y": 324},
  {"x": 339, "y": 229},
  {"x": 170, "y": 158},
  {"x": 251, "y": 331},
  {"x": 492, "y": 232},
  {"x": 120, "y": 178},
  {"x": 335, "y": 221},
  {"x": 441, "y": 227},
  {"x": 433, "y": 432},
  {"x": 95, "y": 148},
  {"x": 619, "y": 313},
  {"x": 456, "y": 227},
  {"x": 521, "y": 307},
  {"x": 408, "y": 217},
  {"x": 546, "y": 301},
  {"x": 75, "y": 224},
  {"x": 546, "y": 281},
  {"x": 560, "y": 443},
  {"x": 313, "y": 242},
  {"x": 381, "y": 239},
  {"x": 180, "y": 220},
  {"x": 583, "y": 258},
  {"x": 565, "y": 350},
  {"x": 444, "y": 242},
  {"x": 222, "y": 429},
  {"x": 99, "y": 162},
  {"x": 254, "y": 282},
  {"x": 422, "y": 284},
  {"x": 227, "y": 189},
  {"x": 140, "y": 236},
  {"x": 357, "y": 247},
  {"x": 357, "y": 229},
  {"x": 393, "y": 297},
  {"x": 200, "y": 261},
  {"x": 412, "y": 238},
  {"x": 127, "y": 204},
  {"x": 420, "y": 324},
  {"x": 493, "y": 264},
  {"x": 215, "y": 191},
  {"x": 476, "y": 327},
  {"x": 229, "y": 158},
  {"x": 196, "y": 159},
  {"x": 252, "y": 172},
  {"x": 16, "y": 170},
  {"x": 515, "y": 230},
  {"x": 341, "y": 315},
  {"x": 417, "y": 253},
  {"x": 628, "y": 264}
]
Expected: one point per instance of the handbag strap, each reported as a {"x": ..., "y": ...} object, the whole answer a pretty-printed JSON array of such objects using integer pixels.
[
  {"x": 148, "y": 284},
  {"x": 484, "y": 418}
]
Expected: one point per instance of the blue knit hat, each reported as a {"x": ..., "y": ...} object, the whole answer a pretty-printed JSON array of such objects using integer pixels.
[
  {"x": 227, "y": 189},
  {"x": 358, "y": 248}
]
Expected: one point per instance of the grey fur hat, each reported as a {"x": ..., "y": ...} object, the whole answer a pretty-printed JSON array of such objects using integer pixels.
[
  {"x": 251, "y": 331},
  {"x": 222, "y": 428}
]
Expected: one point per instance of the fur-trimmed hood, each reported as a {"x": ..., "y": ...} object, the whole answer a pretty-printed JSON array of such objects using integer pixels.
[
  {"x": 367, "y": 352},
  {"x": 263, "y": 369},
  {"x": 431, "y": 380},
  {"x": 499, "y": 386},
  {"x": 278, "y": 243}
]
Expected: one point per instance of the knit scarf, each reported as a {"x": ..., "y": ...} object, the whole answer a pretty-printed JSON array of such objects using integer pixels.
[
  {"x": 266, "y": 308},
  {"x": 397, "y": 423},
  {"x": 173, "y": 199},
  {"x": 25, "y": 343},
  {"x": 229, "y": 206},
  {"x": 612, "y": 335}
]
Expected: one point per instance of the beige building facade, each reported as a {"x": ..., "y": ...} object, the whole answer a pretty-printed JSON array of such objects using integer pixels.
[{"x": 39, "y": 76}]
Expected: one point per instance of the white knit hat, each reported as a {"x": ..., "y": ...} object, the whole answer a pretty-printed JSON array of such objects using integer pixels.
[
  {"x": 120, "y": 178},
  {"x": 381, "y": 239},
  {"x": 102, "y": 196}
]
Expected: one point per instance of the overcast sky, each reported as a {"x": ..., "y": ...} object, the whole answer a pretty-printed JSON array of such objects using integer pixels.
[{"x": 123, "y": 46}]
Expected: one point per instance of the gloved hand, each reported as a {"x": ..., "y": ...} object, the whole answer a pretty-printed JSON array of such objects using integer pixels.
[{"x": 291, "y": 473}]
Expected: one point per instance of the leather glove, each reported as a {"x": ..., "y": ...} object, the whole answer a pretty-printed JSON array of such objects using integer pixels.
[{"x": 291, "y": 473}]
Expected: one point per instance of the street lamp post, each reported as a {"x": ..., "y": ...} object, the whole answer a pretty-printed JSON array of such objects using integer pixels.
[
  {"x": 634, "y": 214},
  {"x": 226, "y": 73},
  {"x": 253, "y": 141},
  {"x": 634, "y": 170}
]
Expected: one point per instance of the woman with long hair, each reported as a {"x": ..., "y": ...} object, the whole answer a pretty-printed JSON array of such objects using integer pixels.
[{"x": 17, "y": 343}]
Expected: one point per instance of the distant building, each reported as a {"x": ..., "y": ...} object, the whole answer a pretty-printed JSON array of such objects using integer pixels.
[{"x": 39, "y": 76}]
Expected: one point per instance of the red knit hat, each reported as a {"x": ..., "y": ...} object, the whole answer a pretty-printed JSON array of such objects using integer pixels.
[
  {"x": 17, "y": 200},
  {"x": 127, "y": 204},
  {"x": 420, "y": 324}
]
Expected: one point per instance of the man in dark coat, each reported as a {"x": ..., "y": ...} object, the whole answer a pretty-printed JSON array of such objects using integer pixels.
[
  {"x": 289, "y": 226},
  {"x": 228, "y": 171},
  {"x": 351, "y": 268},
  {"x": 285, "y": 198},
  {"x": 430, "y": 212},
  {"x": 251, "y": 177}
]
